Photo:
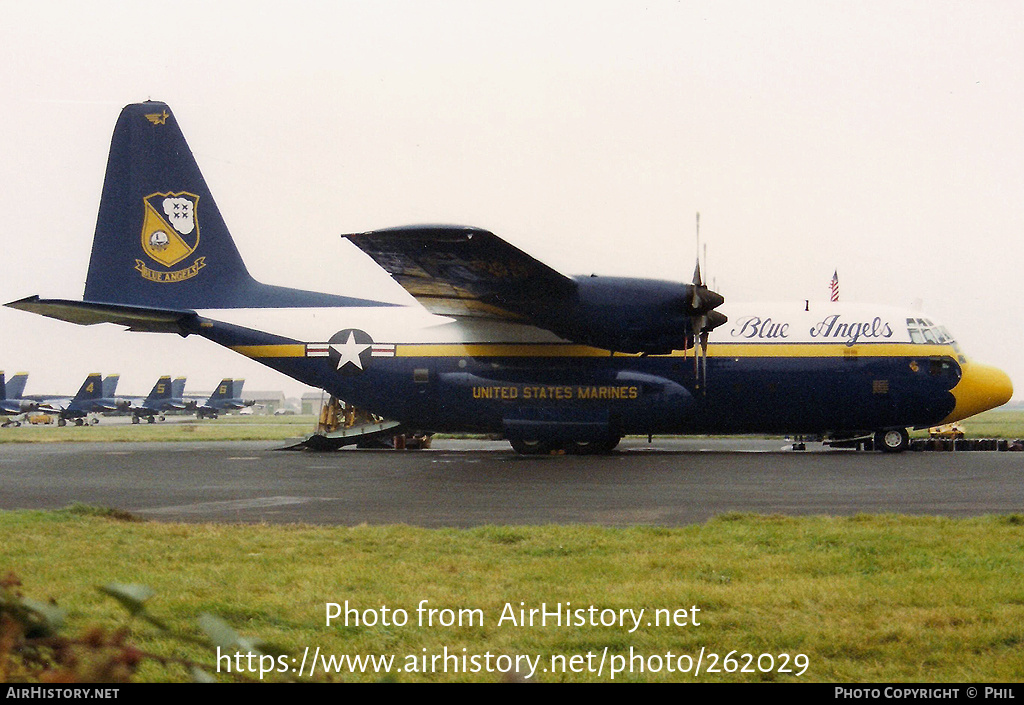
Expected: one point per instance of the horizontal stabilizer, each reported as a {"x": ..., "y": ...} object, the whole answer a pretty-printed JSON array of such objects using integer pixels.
[{"x": 84, "y": 313}]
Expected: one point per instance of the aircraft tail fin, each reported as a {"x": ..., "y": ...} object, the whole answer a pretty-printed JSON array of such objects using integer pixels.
[
  {"x": 16, "y": 385},
  {"x": 178, "y": 388},
  {"x": 236, "y": 388},
  {"x": 160, "y": 240},
  {"x": 110, "y": 385},
  {"x": 161, "y": 390},
  {"x": 223, "y": 390},
  {"x": 6, "y": 407},
  {"x": 92, "y": 388}
]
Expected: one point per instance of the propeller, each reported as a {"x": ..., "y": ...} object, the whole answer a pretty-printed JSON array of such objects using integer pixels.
[{"x": 703, "y": 319}]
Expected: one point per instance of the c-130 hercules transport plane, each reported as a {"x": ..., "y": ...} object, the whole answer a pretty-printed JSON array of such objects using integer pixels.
[{"x": 514, "y": 347}]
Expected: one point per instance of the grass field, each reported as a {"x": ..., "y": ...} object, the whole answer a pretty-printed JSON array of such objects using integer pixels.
[
  {"x": 858, "y": 599},
  {"x": 863, "y": 598},
  {"x": 225, "y": 428},
  {"x": 991, "y": 424},
  {"x": 997, "y": 423}
]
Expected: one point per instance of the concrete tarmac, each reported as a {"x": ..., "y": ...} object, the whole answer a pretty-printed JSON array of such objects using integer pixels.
[{"x": 470, "y": 483}]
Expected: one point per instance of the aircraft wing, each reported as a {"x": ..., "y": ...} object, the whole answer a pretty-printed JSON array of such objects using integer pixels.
[
  {"x": 54, "y": 406},
  {"x": 464, "y": 271},
  {"x": 109, "y": 405}
]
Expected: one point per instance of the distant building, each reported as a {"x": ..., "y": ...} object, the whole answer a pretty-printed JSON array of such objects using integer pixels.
[
  {"x": 266, "y": 402},
  {"x": 312, "y": 401}
]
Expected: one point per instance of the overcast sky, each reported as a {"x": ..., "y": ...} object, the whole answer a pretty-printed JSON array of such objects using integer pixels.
[{"x": 882, "y": 139}]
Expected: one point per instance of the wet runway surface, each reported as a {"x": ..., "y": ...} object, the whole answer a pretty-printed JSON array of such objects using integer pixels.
[{"x": 470, "y": 483}]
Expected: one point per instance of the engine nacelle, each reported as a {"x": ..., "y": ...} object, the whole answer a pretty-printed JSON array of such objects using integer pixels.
[{"x": 633, "y": 315}]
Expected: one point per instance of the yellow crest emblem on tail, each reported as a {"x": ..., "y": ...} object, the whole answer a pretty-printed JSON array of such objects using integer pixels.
[{"x": 170, "y": 233}]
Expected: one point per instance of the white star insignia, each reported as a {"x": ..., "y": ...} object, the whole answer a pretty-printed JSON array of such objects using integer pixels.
[{"x": 350, "y": 351}]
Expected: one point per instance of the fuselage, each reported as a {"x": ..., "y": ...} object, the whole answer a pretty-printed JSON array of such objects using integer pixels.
[{"x": 819, "y": 369}]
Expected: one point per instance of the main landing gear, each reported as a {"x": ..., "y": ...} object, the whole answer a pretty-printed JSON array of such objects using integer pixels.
[
  {"x": 535, "y": 447},
  {"x": 80, "y": 421}
]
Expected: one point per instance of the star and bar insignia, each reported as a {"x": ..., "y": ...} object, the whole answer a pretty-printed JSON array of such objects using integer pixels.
[{"x": 350, "y": 350}]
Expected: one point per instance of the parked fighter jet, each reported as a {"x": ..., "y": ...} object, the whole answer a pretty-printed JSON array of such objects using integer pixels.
[
  {"x": 227, "y": 397},
  {"x": 95, "y": 396},
  {"x": 12, "y": 406},
  {"x": 165, "y": 396}
]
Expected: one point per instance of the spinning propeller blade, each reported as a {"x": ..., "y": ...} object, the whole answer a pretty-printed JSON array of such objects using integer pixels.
[{"x": 703, "y": 319}]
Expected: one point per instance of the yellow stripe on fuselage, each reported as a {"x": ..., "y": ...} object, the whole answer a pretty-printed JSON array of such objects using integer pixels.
[
  {"x": 291, "y": 350},
  {"x": 499, "y": 350},
  {"x": 559, "y": 350}
]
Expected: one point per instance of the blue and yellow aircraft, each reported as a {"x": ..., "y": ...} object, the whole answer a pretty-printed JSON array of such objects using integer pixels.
[
  {"x": 227, "y": 397},
  {"x": 95, "y": 396},
  {"x": 507, "y": 344},
  {"x": 166, "y": 395},
  {"x": 12, "y": 405}
]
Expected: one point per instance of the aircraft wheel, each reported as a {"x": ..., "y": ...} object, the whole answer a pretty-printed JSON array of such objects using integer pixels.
[
  {"x": 526, "y": 447},
  {"x": 135, "y": 419},
  {"x": 62, "y": 422},
  {"x": 895, "y": 440},
  {"x": 94, "y": 421},
  {"x": 7, "y": 424},
  {"x": 150, "y": 419},
  {"x": 163, "y": 418},
  {"x": 593, "y": 447}
]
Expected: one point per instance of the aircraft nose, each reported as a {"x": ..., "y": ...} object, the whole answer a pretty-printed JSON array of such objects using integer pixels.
[{"x": 981, "y": 387}]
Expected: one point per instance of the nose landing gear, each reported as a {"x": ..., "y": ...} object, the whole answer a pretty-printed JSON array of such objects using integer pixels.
[{"x": 893, "y": 440}]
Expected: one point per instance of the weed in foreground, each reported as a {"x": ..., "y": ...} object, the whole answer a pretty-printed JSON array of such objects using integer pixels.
[{"x": 35, "y": 648}]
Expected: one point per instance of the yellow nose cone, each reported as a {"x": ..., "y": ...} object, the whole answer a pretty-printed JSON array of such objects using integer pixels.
[{"x": 981, "y": 387}]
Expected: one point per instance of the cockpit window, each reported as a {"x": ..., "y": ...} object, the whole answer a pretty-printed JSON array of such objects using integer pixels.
[{"x": 923, "y": 332}]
